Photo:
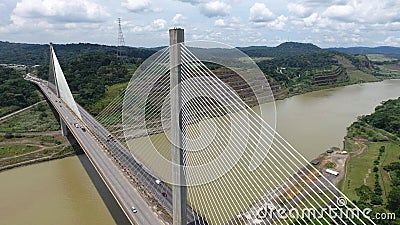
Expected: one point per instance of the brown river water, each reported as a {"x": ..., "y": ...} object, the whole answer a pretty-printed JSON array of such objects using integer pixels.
[{"x": 67, "y": 191}]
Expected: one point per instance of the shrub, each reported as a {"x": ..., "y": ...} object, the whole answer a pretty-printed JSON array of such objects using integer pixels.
[{"x": 9, "y": 135}]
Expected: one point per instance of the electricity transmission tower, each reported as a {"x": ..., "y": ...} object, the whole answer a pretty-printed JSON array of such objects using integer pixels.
[{"x": 121, "y": 42}]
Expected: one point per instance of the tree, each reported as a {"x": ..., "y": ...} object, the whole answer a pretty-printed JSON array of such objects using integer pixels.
[
  {"x": 376, "y": 200},
  {"x": 364, "y": 192},
  {"x": 9, "y": 135},
  {"x": 394, "y": 200}
]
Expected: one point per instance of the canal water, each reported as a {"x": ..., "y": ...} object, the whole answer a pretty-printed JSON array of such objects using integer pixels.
[
  {"x": 61, "y": 192},
  {"x": 316, "y": 121}
]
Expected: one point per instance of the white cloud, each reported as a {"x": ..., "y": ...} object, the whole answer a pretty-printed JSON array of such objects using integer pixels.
[
  {"x": 136, "y": 6},
  {"x": 298, "y": 10},
  {"x": 158, "y": 24},
  {"x": 309, "y": 21},
  {"x": 339, "y": 12},
  {"x": 328, "y": 22},
  {"x": 179, "y": 19},
  {"x": 215, "y": 8},
  {"x": 62, "y": 11},
  {"x": 364, "y": 11},
  {"x": 155, "y": 25},
  {"x": 259, "y": 13},
  {"x": 279, "y": 23},
  {"x": 139, "y": 6},
  {"x": 392, "y": 41},
  {"x": 220, "y": 23},
  {"x": 232, "y": 23}
]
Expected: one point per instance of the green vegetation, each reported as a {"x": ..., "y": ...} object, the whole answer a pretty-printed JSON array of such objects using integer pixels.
[
  {"x": 292, "y": 68},
  {"x": 35, "y": 54},
  {"x": 287, "y": 49},
  {"x": 110, "y": 94},
  {"x": 331, "y": 165},
  {"x": 390, "y": 70},
  {"x": 358, "y": 68},
  {"x": 359, "y": 76},
  {"x": 373, "y": 171},
  {"x": 24, "y": 149},
  {"x": 39, "y": 118},
  {"x": 90, "y": 75},
  {"x": 301, "y": 68},
  {"x": 386, "y": 117},
  {"x": 15, "y": 92},
  {"x": 380, "y": 58},
  {"x": 7, "y": 150}
]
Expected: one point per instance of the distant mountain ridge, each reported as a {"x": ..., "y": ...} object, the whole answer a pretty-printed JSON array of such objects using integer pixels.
[
  {"x": 32, "y": 54},
  {"x": 286, "y": 49},
  {"x": 385, "y": 50}
]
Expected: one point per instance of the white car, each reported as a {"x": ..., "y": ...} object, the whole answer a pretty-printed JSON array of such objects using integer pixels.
[
  {"x": 158, "y": 181},
  {"x": 134, "y": 210}
]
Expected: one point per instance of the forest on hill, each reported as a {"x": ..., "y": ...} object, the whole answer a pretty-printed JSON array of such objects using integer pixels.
[
  {"x": 286, "y": 49},
  {"x": 38, "y": 54},
  {"x": 386, "y": 117},
  {"x": 89, "y": 74},
  {"x": 15, "y": 92},
  {"x": 291, "y": 68}
]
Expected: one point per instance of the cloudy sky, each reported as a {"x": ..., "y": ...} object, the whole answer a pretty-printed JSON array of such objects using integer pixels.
[{"x": 326, "y": 23}]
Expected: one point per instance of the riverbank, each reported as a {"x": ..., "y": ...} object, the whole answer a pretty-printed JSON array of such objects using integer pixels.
[
  {"x": 372, "y": 169},
  {"x": 289, "y": 113},
  {"x": 312, "y": 122},
  {"x": 371, "y": 150},
  {"x": 22, "y": 149}
]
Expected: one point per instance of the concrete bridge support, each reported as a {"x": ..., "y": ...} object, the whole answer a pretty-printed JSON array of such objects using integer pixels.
[
  {"x": 178, "y": 176},
  {"x": 64, "y": 129}
]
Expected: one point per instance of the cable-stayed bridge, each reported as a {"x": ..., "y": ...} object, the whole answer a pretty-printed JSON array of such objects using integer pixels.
[{"x": 225, "y": 165}]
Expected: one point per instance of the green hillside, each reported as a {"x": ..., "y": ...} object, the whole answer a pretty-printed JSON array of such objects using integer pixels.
[
  {"x": 38, "y": 54},
  {"x": 373, "y": 170},
  {"x": 15, "y": 92},
  {"x": 291, "y": 68},
  {"x": 300, "y": 68}
]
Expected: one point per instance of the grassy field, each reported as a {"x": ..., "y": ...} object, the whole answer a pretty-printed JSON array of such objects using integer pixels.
[
  {"x": 7, "y": 150},
  {"x": 7, "y": 110},
  {"x": 358, "y": 76},
  {"x": 259, "y": 59},
  {"x": 24, "y": 149},
  {"x": 360, "y": 167},
  {"x": 380, "y": 58},
  {"x": 111, "y": 93},
  {"x": 390, "y": 70},
  {"x": 355, "y": 75},
  {"x": 36, "y": 119}
]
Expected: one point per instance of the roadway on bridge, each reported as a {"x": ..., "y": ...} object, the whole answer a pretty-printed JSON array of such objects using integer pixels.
[
  {"x": 133, "y": 165},
  {"x": 118, "y": 184}
]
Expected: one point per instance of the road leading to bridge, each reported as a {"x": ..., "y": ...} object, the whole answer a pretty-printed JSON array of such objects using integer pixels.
[{"x": 117, "y": 183}]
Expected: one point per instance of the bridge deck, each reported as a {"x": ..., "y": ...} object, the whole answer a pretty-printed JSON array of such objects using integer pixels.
[{"x": 117, "y": 183}]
